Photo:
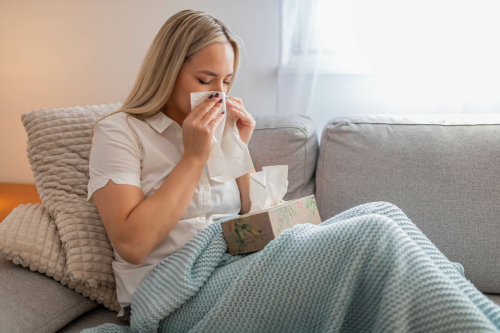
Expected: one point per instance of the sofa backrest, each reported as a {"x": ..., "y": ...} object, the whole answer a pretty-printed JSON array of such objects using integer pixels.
[
  {"x": 442, "y": 170},
  {"x": 291, "y": 140}
]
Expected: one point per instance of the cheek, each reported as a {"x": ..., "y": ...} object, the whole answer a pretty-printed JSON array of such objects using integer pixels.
[
  {"x": 186, "y": 106},
  {"x": 183, "y": 95},
  {"x": 181, "y": 101}
]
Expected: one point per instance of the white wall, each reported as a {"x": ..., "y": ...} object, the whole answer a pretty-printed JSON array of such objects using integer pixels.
[{"x": 58, "y": 54}]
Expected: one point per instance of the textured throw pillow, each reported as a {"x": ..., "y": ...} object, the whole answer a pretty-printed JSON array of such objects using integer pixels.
[
  {"x": 28, "y": 237},
  {"x": 58, "y": 151}
]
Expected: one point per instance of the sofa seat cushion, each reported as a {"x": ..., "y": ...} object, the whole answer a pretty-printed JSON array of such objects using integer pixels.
[
  {"x": 34, "y": 302},
  {"x": 96, "y": 317}
]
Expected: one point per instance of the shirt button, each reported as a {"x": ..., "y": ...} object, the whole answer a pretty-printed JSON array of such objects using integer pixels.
[{"x": 205, "y": 187}]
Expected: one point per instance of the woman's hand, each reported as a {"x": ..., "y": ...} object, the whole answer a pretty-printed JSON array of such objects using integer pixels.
[
  {"x": 199, "y": 126},
  {"x": 245, "y": 123}
]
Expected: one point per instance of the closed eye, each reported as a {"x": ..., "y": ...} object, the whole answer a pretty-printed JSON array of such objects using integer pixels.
[{"x": 207, "y": 83}]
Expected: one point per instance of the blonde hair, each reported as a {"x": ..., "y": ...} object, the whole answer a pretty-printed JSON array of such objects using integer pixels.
[{"x": 180, "y": 37}]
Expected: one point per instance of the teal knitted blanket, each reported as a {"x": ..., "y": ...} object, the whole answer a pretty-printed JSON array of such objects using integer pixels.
[{"x": 368, "y": 269}]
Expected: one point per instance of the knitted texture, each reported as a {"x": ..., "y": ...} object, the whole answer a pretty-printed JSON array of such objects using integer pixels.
[{"x": 367, "y": 269}]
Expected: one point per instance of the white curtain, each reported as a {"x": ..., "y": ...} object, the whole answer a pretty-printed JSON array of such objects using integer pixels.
[{"x": 345, "y": 57}]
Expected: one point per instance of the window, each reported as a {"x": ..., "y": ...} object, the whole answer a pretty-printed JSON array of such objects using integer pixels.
[
  {"x": 320, "y": 37},
  {"x": 437, "y": 41}
]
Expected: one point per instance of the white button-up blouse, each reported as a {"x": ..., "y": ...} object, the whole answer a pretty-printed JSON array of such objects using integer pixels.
[{"x": 115, "y": 154}]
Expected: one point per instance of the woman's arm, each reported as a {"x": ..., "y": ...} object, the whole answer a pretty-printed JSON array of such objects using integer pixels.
[
  {"x": 139, "y": 225},
  {"x": 244, "y": 186}
]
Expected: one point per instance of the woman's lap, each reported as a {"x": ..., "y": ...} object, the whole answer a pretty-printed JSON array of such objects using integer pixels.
[{"x": 380, "y": 233}]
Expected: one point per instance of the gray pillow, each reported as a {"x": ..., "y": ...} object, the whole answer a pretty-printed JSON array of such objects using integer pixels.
[{"x": 287, "y": 139}]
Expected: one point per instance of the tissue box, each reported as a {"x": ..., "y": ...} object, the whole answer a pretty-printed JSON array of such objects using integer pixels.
[{"x": 252, "y": 231}]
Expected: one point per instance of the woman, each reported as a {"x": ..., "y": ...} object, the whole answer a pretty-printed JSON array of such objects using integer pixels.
[
  {"x": 154, "y": 135},
  {"x": 156, "y": 203}
]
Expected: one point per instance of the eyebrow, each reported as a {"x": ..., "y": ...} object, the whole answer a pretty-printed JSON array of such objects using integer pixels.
[{"x": 212, "y": 73}]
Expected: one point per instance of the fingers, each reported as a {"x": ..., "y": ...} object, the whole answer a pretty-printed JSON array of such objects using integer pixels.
[
  {"x": 235, "y": 100},
  {"x": 236, "y": 107},
  {"x": 216, "y": 121},
  {"x": 213, "y": 112},
  {"x": 201, "y": 109}
]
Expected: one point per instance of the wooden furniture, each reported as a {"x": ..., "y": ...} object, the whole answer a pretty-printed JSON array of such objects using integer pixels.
[{"x": 13, "y": 194}]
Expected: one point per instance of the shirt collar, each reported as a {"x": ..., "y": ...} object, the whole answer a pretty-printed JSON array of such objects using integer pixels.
[{"x": 159, "y": 121}]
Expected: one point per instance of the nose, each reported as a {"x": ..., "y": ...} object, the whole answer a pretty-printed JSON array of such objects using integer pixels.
[{"x": 220, "y": 86}]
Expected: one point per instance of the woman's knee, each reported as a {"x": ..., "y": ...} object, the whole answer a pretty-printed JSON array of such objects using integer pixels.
[
  {"x": 384, "y": 208},
  {"x": 375, "y": 207},
  {"x": 380, "y": 205},
  {"x": 380, "y": 228}
]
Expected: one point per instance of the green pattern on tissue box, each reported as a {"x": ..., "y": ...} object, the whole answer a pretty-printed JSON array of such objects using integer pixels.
[{"x": 242, "y": 229}]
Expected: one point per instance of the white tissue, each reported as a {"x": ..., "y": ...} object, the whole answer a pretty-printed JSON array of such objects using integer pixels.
[
  {"x": 229, "y": 158},
  {"x": 268, "y": 187}
]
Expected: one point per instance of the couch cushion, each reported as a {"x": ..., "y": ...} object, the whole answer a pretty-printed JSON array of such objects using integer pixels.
[
  {"x": 291, "y": 140},
  {"x": 33, "y": 302},
  {"x": 91, "y": 319},
  {"x": 440, "y": 169}
]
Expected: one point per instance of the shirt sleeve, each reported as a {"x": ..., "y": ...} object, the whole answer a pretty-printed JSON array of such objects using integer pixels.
[{"x": 115, "y": 155}]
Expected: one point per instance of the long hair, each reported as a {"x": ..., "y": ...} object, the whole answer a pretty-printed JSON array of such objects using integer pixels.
[{"x": 180, "y": 37}]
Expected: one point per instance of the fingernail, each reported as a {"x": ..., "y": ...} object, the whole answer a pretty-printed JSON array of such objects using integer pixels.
[
  {"x": 223, "y": 112},
  {"x": 210, "y": 96},
  {"x": 220, "y": 100},
  {"x": 217, "y": 95}
]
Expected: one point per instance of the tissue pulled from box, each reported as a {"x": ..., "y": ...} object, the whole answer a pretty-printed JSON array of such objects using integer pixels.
[
  {"x": 268, "y": 187},
  {"x": 229, "y": 158}
]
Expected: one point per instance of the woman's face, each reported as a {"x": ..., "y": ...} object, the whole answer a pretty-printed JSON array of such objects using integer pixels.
[{"x": 209, "y": 69}]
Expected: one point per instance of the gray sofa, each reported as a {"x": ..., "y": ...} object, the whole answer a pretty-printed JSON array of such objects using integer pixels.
[{"x": 442, "y": 170}]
